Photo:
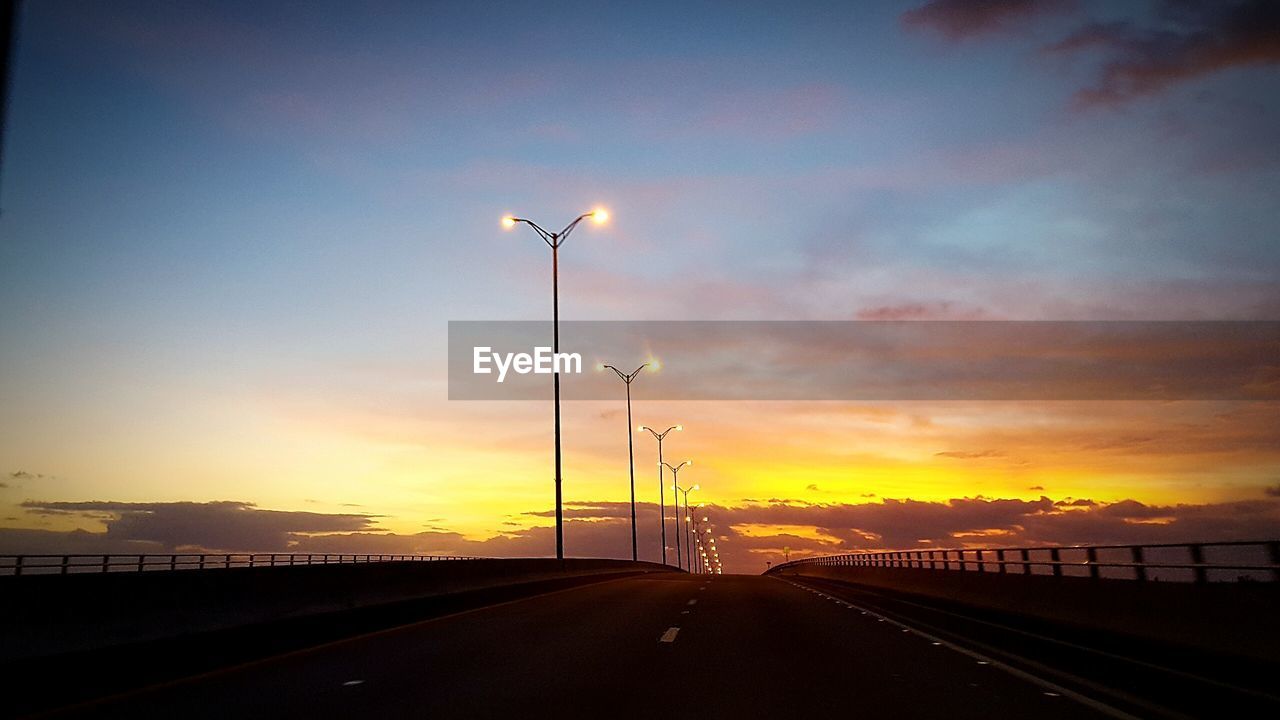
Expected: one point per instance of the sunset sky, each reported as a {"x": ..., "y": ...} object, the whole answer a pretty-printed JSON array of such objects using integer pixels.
[{"x": 232, "y": 236}]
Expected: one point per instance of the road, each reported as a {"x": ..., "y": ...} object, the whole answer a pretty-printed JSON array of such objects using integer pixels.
[{"x": 661, "y": 645}]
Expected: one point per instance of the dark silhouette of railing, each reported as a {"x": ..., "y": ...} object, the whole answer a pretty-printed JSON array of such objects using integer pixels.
[
  {"x": 1257, "y": 560},
  {"x": 74, "y": 564}
]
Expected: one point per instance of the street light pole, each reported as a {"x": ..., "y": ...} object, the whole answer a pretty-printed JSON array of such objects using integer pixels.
[
  {"x": 631, "y": 453},
  {"x": 708, "y": 549},
  {"x": 675, "y": 488},
  {"x": 696, "y": 554},
  {"x": 554, "y": 241},
  {"x": 662, "y": 509},
  {"x": 688, "y": 523},
  {"x": 703, "y": 548}
]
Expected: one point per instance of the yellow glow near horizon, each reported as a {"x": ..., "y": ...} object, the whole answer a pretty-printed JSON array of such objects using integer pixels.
[{"x": 435, "y": 469}]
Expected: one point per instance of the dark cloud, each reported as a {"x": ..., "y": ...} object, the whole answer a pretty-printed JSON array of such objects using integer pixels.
[
  {"x": 906, "y": 524},
  {"x": 224, "y": 525},
  {"x": 1192, "y": 39},
  {"x": 24, "y": 475},
  {"x": 1273, "y": 491},
  {"x": 747, "y": 535},
  {"x": 961, "y": 19},
  {"x": 1038, "y": 488},
  {"x": 811, "y": 486}
]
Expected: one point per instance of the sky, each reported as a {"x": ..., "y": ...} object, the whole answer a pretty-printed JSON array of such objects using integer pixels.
[{"x": 232, "y": 236}]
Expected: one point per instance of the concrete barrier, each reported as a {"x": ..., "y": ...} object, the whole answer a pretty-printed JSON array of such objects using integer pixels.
[
  {"x": 47, "y": 615},
  {"x": 1239, "y": 618}
]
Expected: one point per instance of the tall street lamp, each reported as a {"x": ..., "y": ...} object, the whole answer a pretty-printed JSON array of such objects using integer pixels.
[
  {"x": 631, "y": 452},
  {"x": 698, "y": 531},
  {"x": 697, "y": 539},
  {"x": 675, "y": 486},
  {"x": 662, "y": 509},
  {"x": 688, "y": 523},
  {"x": 688, "y": 546},
  {"x": 554, "y": 241}
]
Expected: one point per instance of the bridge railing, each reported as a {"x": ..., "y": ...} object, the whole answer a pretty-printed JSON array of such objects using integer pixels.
[
  {"x": 74, "y": 564},
  {"x": 1257, "y": 560}
]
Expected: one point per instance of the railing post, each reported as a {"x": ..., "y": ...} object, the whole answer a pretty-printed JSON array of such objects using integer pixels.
[
  {"x": 141, "y": 559},
  {"x": 1026, "y": 561},
  {"x": 1056, "y": 557},
  {"x": 1273, "y": 551},
  {"x": 17, "y": 564},
  {"x": 1000, "y": 560},
  {"x": 1091, "y": 553},
  {"x": 202, "y": 559},
  {"x": 1139, "y": 565},
  {"x": 65, "y": 562},
  {"x": 981, "y": 565},
  {"x": 227, "y": 561},
  {"x": 1197, "y": 558},
  {"x": 173, "y": 562}
]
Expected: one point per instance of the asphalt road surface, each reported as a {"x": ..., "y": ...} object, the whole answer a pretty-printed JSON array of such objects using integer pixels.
[{"x": 655, "y": 646}]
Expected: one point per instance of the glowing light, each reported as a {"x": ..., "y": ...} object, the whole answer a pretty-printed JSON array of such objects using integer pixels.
[
  {"x": 508, "y": 222},
  {"x": 600, "y": 216},
  {"x": 641, "y": 428},
  {"x": 655, "y": 365},
  {"x": 680, "y": 427}
]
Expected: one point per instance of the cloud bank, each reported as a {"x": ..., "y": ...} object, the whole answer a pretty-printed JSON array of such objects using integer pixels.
[{"x": 748, "y": 534}]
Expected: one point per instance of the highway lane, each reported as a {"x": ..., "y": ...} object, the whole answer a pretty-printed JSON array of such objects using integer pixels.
[
  {"x": 652, "y": 646},
  {"x": 1146, "y": 678}
]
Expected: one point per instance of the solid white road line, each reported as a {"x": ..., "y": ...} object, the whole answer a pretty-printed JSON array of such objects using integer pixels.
[
  {"x": 1016, "y": 672},
  {"x": 1085, "y": 648}
]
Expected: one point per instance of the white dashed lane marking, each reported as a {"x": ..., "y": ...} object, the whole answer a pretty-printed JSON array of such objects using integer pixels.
[
  {"x": 669, "y": 635},
  {"x": 1049, "y": 689},
  {"x": 692, "y": 602}
]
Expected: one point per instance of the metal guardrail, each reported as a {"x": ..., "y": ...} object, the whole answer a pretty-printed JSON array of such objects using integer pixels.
[
  {"x": 77, "y": 564},
  {"x": 1256, "y": 560}
]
